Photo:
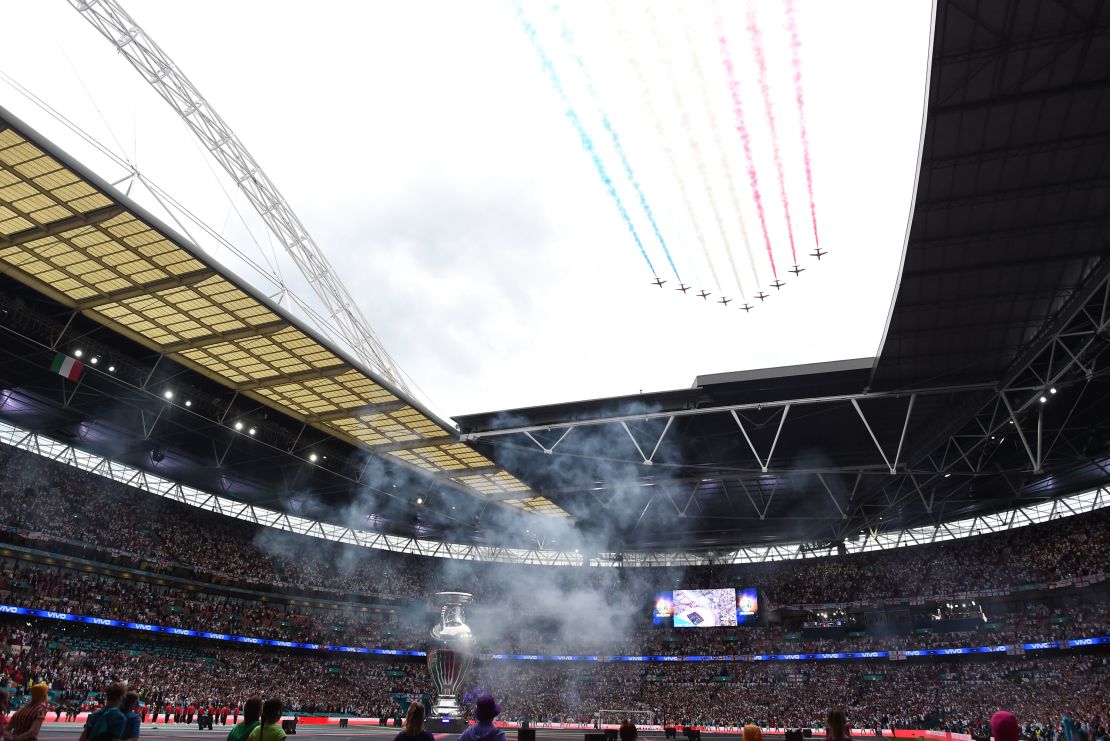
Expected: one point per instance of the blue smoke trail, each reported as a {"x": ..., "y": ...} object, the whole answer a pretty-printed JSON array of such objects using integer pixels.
[
  {"x": 584, "y": 137},
  {"x": 568, "y": 38}
]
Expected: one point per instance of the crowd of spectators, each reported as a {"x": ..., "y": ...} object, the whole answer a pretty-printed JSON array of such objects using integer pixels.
[
  {"x": 79, "y": 662},
  {"x": 938, "y": 695},
  {"x": 55, "y": 508},
  {"x": 47, "y": 500},
  {"x": 61, "y": 589},
  {"x": 45, "y": 587}
]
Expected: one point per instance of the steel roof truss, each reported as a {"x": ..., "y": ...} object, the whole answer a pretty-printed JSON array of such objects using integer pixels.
[
  {"x": 55, "y": 228},
  {"x": 872, "y": 434},
  {"x": 764, "y": 463}
]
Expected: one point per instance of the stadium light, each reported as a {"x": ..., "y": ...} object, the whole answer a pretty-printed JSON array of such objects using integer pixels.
[
  {"x": 78, "y": 353},
  {"x": 251, "y": 431},
  {"x": 1052, "y": 390},
  {"x": 167, "y": 395},
  {"x": 94, "y": 360},
  {"x": 313, "y": 457},
  {"x": 111, "y": 369},
  {"x": 420, "y": 500},
  {"x": 188, "y": 403},
  {"x": 1044, "y": 399}
]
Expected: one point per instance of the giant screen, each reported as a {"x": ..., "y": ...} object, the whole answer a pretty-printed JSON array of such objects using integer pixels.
[{"x": 706, "y": 608}]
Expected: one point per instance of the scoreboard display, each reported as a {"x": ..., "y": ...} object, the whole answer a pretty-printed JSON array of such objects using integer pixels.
[{"x": 706, "y": 608}]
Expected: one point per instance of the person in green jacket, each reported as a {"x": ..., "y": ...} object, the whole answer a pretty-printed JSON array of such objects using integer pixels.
[
  {"x": 269, "y": 726},
  {"x": 251, "y": 712}
]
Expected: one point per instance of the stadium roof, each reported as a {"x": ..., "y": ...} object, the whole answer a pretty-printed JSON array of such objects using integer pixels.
[
  {"x": 1003, "y": 301},
  {"x": 78, "y": 241},
  {"x": 1004, "y": 298}
]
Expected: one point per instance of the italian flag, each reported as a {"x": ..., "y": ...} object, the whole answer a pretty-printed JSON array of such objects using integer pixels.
[{"x": 66, "y": 366}]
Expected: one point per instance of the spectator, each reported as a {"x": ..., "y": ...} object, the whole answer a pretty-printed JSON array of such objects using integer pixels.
[
  {"x": 627, "y": 731},
  {"x": 752, "y": 733},
  {"x": 5, "y": 705},
  {"x": 414, "y": 725},
  {"x": 108, "y": 723},
  {"x": 485, "y": 710},
  {"x": 269, "y": 726},
  {"x": 251, "y": 712},
  {"x": 1004, "y": 726},
  {"x": 836, "y": 726},
  {"x": 133, "y": 723},
  {"x": 27, "y": 721}
]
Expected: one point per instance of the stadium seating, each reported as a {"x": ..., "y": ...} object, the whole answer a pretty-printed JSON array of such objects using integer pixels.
[{"x": 52, "y": 515}]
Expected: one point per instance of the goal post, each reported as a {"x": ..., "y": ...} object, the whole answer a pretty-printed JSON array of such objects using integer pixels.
[{"x": 613, "y": 717}]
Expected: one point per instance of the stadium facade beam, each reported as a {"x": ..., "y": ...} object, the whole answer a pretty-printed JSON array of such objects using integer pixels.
[
  {"x": 255, "y": 330},
  {"x": 1022, "y": 96},
  {"x": 433, "y": 442},
  {"x": 61, "y": 226},
  {"x": 298, "y": 377},
  {"x": 1003, "y": 195},
  {"x": 983, "y": 156},
  {"x": 1062, "y": 354},
  {"x": 386, "y": 406},
  {"x": 871, "y": 540},
  {"x": 179, "y": 281},
  {"x": 724, "y": 409}
]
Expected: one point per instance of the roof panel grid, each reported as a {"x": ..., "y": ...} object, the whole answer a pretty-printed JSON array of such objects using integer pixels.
[
  {"x": 61, "y": 234},
  {"x": 36, "y": 189},
  {"x": 329, "y": 394},
  {"x": 405, "y": 425},
  {"x": 495, "y": 483},
  {"x": 537, "y": 505},
  {"x": 457, "y": 457}
]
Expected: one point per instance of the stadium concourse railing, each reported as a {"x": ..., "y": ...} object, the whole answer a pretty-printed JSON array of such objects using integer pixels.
[
  {"x": 148, "y": 628},
  {"x": 1053, "y": 509}
]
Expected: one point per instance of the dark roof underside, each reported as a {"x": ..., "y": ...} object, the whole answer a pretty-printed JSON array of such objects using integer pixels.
[{"x": 1007, "y": 250}]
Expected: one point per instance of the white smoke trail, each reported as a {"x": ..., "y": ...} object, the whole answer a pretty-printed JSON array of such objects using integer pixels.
[
  {"x": 665, "y": 142},
  {"x": 733, "y": 193},
  {"x": 699, "y": 159}
]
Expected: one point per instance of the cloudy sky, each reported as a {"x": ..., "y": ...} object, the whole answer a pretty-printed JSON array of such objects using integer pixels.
[{"x": 445, "y": 170}]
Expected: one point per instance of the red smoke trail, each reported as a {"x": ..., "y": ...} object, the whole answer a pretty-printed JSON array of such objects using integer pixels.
[
  {"x": 742, "y": 129},
  {"x": 796, "y": 61},
  {"x": 761, "y": 62}
]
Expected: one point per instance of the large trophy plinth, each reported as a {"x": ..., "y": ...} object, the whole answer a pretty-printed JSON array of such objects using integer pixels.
[{"x": 450, "y": 658}]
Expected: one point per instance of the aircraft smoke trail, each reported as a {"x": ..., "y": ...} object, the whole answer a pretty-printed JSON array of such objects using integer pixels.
[
  {"x": 583, "y": 135},
  {"x": 765, "y": 88},
  {"x": 720, "y": 147},
  {"x": 745, "y": 138},
  {"x": 614, "y": 137},
  {"x": 676, "y": 175},
  {"x": 699, "y": 160},
  {"x": 796, "y": 62}
]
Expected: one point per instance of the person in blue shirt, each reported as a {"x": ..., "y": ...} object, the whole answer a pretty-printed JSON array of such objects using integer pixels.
[
  {"x": 485, "y": 710},
  {"x": 108, "y": 723},
  {"x": 133, "y": 722}
]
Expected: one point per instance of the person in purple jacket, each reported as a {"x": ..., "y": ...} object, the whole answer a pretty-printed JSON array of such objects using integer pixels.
[{"x": 485, "y": 710}]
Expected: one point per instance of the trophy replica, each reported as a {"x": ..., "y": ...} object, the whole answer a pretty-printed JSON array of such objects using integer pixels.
[{"x": 450, "y": 659}]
